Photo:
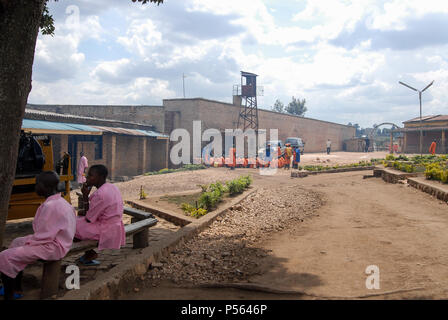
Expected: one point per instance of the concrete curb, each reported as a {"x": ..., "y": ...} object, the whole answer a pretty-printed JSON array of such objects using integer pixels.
[
  {"x": 440, "y": 192},
  {"x": 391, "y": 175},
  {"x": 176, "y": 218},
  {"x": 301, "y": 174},
  {"x": 121, "y": 279}
]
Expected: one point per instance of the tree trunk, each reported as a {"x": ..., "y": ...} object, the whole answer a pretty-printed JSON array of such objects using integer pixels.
[{"x": 19, "y": 27}]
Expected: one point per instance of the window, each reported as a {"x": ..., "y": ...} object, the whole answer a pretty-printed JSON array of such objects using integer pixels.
[{"x": 98, "y": 147}]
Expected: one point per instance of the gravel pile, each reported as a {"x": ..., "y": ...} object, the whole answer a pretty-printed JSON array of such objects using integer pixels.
[{"x": 229, "y": 249}]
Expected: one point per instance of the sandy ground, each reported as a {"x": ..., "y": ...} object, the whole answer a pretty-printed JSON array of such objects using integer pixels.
[
  {"x": 361, "y": 222},
  {"x": 311, "y": 237},
  {"x": 189, "y": 180}
]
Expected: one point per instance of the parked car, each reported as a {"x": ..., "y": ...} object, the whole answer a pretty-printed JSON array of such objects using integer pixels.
[{"x": 296, "y": 142}]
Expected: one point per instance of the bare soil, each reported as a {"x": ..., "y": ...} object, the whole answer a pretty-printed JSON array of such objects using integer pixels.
[{"x": 324, "y": 232}]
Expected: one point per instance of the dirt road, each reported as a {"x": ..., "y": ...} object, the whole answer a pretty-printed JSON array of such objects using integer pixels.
[{"x": 362, "y": 222}]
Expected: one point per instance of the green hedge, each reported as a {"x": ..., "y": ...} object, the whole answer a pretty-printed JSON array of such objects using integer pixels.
[
  {"x": 187, "y": 167},
  {"x": 339, "y": 166}
]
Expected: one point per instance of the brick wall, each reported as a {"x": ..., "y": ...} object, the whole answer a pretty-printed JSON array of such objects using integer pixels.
[
  {"x": 219, "y": 115},
  {"x": 153, "y": 116}
]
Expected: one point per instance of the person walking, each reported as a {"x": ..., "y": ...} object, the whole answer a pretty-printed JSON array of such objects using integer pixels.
[
  {"x": 288, "y": 155},
  {"x": 328, "y": 146},
  {"x": 432, "y": 148},
  {"x": 367, "y": 145},
  {"x": 83, "y": 164},
  {"x": 296, "y": 158}
]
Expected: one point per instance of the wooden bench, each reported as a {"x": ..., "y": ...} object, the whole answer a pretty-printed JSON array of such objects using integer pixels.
[{"x": 138, "y": 228}]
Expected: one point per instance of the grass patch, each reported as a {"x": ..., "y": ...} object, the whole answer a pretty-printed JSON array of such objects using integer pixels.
[
  {"x": 190, "y": 199},
  {"x": 199, "y": 204}
]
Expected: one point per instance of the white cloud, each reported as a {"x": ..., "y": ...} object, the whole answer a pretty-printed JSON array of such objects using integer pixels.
[{"x": 211, "y": 41}]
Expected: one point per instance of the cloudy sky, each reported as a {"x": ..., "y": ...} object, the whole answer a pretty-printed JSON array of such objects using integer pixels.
[{"x": 345, "y": 57}]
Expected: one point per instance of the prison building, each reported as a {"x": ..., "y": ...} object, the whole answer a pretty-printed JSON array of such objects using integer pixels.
[
  {"x": 126, "y": 152},
  {"x": 433, "y": 128}
]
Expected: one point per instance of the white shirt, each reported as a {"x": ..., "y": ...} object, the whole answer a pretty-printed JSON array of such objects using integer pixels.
[{"x": 328, "y": 144}]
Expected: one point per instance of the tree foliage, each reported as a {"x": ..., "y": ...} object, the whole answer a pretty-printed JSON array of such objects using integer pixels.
[
  {"x": 278, "y": 106},
  {"x": 297, "y": 107},
  {"x": 47, "y": 22}
]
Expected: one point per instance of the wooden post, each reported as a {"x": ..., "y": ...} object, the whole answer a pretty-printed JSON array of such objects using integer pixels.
[
  {"x": 405, "y": 143},
  {"x": 50, "y": 278},
  {"x": 140, "y": 239},
  {"x": 443, "y": 149},
  {"x": 391, "y": 142}
]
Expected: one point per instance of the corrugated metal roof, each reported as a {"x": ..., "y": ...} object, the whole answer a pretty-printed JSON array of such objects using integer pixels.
[
  {"x": 153, "y": 133},
  {"x": 71, "y": 117},
  {"x": 132, "y": 132},
  {"x": 438, "y": 117},
  {"x": 40, "y": 126}
]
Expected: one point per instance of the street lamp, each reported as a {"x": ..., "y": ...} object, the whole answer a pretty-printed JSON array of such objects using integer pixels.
[{"x": 420, "y": 98}]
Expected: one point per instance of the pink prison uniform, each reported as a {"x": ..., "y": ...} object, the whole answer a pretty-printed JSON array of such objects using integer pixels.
[
  {"x": 83, "y": 164},
  {"x": 105, "y": 215},
  {"x": 54, "y": 227}
]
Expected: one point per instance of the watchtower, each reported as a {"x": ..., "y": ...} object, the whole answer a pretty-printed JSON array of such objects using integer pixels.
[{"x": 248, "y": 117}]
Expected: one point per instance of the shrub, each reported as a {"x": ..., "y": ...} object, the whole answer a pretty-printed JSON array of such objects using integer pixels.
[
  {"x": 247, "y": 180},
  {"x": 218, "y": 187},
  {"x": 192, "y": 211},
  {"x": 390, "y": 157},
  {"x": 444, "y": 176},
  {"x": 197, "y": 213},
  {"x": 402, "y": 157},
  {"x": 235, "y": 187},
  {"x": 143, "y": 194},
  {"x": 187, "y": 207}
]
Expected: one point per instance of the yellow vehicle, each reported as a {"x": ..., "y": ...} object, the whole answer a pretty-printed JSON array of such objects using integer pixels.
[{"x": 35, "y": 156}]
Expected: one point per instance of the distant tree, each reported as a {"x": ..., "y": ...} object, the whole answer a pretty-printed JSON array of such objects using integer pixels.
[
  {"x": 278, "y": 106},
  {"x": 350, "y": 124},
  {"x": 296, "y": 107}
]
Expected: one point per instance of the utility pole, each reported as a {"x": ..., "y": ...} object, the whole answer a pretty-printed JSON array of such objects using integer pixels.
[
  {"x": 420, "y": 99},
  {"x": 183, "y": 83}
]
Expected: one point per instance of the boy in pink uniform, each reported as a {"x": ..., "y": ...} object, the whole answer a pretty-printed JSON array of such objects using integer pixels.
[
  {"x": 54, "y": 227},
  {"x": 82, "y": 166},
  {"x": 102, "y": 216}
]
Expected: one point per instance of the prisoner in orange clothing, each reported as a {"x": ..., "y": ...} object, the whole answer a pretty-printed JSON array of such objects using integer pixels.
[
  {"x": 288, "y": 155},
  {"x": 231, "y": 161},
  {"x": 432, "y": 148}
]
